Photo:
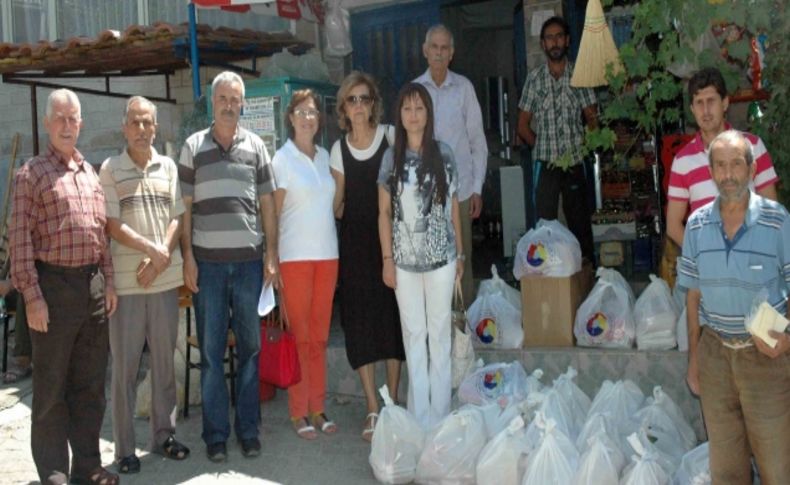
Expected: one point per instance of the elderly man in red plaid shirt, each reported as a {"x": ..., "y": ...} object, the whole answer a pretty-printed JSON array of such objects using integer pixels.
[{"x": 61, "y": 263}]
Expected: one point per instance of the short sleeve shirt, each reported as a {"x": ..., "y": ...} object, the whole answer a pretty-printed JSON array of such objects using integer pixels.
[
  {"x": 423, "y": 236},
  {"x": 307, "y": 222},
  {"x": 146, "y": 200},
  {"x": 556, "y": 109},
  {"x": 225, "y": 186},
  {"x": 730, "y": 273},
  {"x": 690, "y": 180}
]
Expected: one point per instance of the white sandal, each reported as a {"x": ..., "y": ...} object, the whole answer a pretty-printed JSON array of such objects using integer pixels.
[
  {"x": 367, "y": 433},
  {"x": 306, "y": 432}
]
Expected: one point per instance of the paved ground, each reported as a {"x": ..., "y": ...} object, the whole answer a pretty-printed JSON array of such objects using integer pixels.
[{"x": 340, "y": 459}]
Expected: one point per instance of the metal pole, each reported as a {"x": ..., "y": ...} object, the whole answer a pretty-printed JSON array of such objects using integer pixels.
[
  {"x": 597, "y": 179},
  {"x": 34, "y": 117},
  {"x": 193, "y": 52}
]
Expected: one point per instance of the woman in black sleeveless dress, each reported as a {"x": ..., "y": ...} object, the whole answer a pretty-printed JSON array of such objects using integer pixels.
[{"x": 369, "y": 312}]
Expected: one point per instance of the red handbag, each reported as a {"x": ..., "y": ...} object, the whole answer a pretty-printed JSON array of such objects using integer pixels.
[{"x": 278, "y": 362}]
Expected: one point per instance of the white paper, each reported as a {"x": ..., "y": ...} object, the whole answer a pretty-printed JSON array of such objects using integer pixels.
[
  {"x": 538, "y": 17},
  {"x": 767, "y": 318},
  {"x": 266, "y": 301}
]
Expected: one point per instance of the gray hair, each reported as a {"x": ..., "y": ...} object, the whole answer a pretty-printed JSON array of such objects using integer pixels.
[
  {"x": 57, "y": 94},
  {"x": 733, "y": 138},
  {"x": 434, "y": 29},
  {"x": 227, "y": 77},
  {"x": 141, "y": 100}
]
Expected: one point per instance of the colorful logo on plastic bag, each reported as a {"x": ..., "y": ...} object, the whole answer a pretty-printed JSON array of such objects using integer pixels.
[
  {"x": 486, "y": 330},
  {"x": 492, "y": 380},
  {"x": 597, "y": 324},
  {"x": 537, "y": 255}
]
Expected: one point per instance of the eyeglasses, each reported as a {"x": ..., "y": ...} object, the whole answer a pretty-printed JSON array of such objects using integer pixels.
[
  {"x": 307, "y": 114},
  {"x": 365, "y": 99}
]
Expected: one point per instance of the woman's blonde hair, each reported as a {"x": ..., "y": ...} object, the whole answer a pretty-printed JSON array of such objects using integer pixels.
[{"x": 350, "y": 82}]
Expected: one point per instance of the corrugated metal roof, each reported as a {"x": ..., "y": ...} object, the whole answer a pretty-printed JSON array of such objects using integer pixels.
[{"x": 140, "y": 48}]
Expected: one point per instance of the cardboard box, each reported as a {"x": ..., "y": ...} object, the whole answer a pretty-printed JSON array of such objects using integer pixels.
[{"x": 549, "y": 307}]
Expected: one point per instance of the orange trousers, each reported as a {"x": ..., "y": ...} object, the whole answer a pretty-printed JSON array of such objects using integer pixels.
[{"x": 308, "y": 290}]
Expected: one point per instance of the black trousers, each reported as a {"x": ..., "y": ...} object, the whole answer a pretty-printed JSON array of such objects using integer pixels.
[
  {"x": 22, "y": 345},
  {"x": 70, "y": 362},
  {"x": 550, "y": 182}
]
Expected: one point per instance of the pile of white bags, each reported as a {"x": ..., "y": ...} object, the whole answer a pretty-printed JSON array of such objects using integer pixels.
[
  {"x": 495, "y": 323},
  {"x": 495, "y": 383},
  {"x": 656, "y": 317},
  {"x": 451, "y": 449},
  {"x": 397, "y": 443},
  {"x": 525, "y": 433},
  {"x": 606, "y": 317},
  {"x": 549, "y": 249}
]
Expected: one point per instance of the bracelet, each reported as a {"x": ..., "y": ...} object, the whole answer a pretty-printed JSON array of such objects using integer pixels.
[
  {"x": 386, "y": 258},
  {"x": 461, "y": 257}
]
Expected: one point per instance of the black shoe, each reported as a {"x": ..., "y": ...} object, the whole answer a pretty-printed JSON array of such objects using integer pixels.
[
  {"x": 129, "y": 464},
  {"x": 217, "y": 452},
  {"x": 251, "y": 447}
]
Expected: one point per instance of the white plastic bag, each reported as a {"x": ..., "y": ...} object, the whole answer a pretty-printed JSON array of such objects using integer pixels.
[
  {"x": 462, "y": 357},
  {"x": 605, "y": 424},
  {"x": 337, "y": 29},
  {"x": 497, "y": 382},
  {"x": 495, "y": 323},
  {"x": 763, "y": 317},
  {"x": 645, "y": 468},
  {"x": 613, "y": 276},
  {"x": 658, "y": 428},
  {"x": 555, "y": 408},
  {"x": 656, "y": 317},
  {"x": 397, "y": 443},
  {"x": 555, "y": 460},
  {"x": 549, "y": 249},
  {"x": 694, "y": 467},
  {"x": 451, "y": 449},
  {"x": 663, "y": 400},
  {"x": 578, "y": 401},
  {"x": 498, "y": 285},
  {"x": 497, "y": 417},
  {"x": 620, "y": 401},
  {"x": 605, "y": 318},
  {"x": 503, "y": 460},
  {"x": 601, "y": 463}
]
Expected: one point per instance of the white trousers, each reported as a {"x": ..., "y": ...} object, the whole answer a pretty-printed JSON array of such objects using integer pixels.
[{"x": 424, "y": 302}]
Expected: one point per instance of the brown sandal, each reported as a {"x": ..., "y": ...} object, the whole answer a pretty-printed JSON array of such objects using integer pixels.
[{"x": 99, "y": 476}]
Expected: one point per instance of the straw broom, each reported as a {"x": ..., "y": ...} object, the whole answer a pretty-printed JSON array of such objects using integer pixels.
[{"x": 596, "y": 50}]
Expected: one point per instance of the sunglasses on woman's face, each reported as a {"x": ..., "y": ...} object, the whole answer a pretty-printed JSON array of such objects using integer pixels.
[{"x": 365, "y": 99}]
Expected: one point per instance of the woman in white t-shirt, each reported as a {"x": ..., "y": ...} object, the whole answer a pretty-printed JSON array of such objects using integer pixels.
[
  {"x": 368, "y": 310},
  {"x": 422, "y": 249},
  {"x": 308, "y": 257}
]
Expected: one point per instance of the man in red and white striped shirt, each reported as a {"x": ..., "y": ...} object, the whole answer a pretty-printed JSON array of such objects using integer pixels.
[
  {"x": 690, "y": 183},
  {"x": 61, "y": 263}
]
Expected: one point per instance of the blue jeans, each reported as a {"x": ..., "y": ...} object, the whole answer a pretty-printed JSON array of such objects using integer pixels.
[{"x": 229, "y": 292}]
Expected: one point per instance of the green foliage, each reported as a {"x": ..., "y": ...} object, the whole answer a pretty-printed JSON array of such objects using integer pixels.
[{"x": 665, "y": 33}]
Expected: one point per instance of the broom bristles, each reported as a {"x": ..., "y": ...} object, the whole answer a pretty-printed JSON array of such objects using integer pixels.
[{"x": 596, "y": 50}]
